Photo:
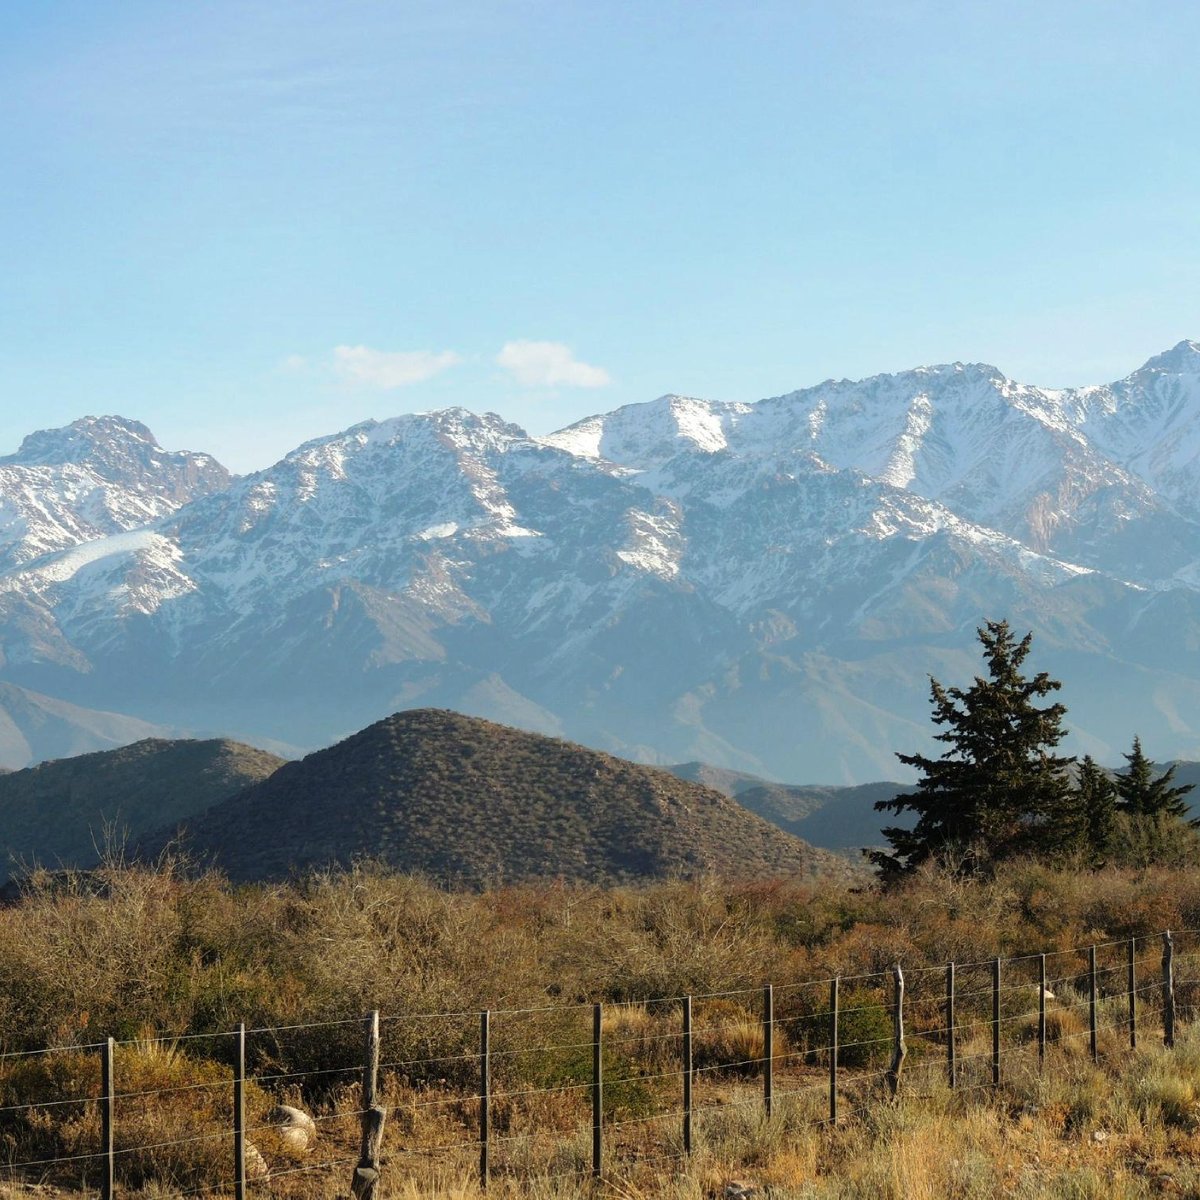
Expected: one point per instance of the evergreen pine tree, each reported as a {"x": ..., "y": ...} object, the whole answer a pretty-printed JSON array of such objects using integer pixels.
[
  {"x": 995, "y": 790},
  {"x": 1143, "y": 795},
  {"x": 1096, "y": 803}
]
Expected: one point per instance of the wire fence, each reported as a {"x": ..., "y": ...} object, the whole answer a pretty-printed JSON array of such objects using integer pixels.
[{"x": 567, "y": 1091}]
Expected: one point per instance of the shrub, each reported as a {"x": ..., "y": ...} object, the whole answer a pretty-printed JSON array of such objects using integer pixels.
[
  {"x": 864, "y": 1028},
  {"x": 179, "y": 1105},
  {"x": 728, "y": 1037}
]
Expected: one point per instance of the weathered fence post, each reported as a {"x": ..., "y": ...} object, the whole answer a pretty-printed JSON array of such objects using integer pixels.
[
  {"x": 768, "y": 1048},
  {"x": 1041, "y": 1012},
  {"x": 370, "y": 1077},
  {"x": 833, "y": 1050},
  {"x": 239, "y": 1114},
  {"x": 996, "y": 1022},
  {"x": 485, "y": 1094},
  {"x": 366, "y": 1174},
  {"x": 1132, "y": 984},
  {"x": 687, "y": 1074},
  {"x": 1168, "y": 970},
  {"x": 1092, "y": 1004},
  {"x": 597, "y": 1092},
  {"x": 899, "y": 1049},
  {"x": 108, "y": 1104},
  {"x": 951, "y": 1060}
]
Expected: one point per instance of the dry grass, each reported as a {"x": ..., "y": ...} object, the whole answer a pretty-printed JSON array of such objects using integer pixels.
[{"x": 127, "y": 951}]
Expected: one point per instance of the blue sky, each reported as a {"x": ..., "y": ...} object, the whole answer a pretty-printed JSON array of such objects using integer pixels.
[{"x": 252, "y": 223}]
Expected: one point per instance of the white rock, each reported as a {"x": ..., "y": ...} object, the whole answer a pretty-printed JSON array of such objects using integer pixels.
[{"x": 295, "y": 1126}]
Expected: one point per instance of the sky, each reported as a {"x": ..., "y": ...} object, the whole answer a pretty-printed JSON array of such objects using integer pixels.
[{"x": 251, "y": 223}]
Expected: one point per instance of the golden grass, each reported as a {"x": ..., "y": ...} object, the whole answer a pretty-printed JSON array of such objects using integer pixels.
[{"x": 130, "y": 951}]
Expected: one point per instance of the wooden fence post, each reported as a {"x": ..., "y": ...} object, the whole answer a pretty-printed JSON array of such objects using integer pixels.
[
  {"x": 239, "y": 1114},
  {"x": 1041, "y": 1035},
  {"x": 485, "y": 1092},
  {"x": 370, "y": 1077},
  {"x": 366, "y": 1174},
  {"x": 1168, "y": 970},
  {"x": 768, "y": 1049},
  {"x": 597, "y": 1092},
  {"x": 687, "y": 1074},
  {"x": 108, "y": 1105},
  {"x": 833, "y": 1050},
  {"x": 899, "y": 1049},
  {"x": 1092, "y": 1004},
  {"x": 951, "y": 1061},
  {"x": 1132, "y": 984},
  {"x": 996, "y": 1022}
]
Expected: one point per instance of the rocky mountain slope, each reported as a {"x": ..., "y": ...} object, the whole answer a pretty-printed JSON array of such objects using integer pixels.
[
  {"x": 762, "y": 586},
  {"x": 66, "y": 812},
  {"x": 98, "y": 476},
  {"x": 471, "y": 802}
]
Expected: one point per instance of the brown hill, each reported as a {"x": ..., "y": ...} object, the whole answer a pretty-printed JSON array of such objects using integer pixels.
[
  {"x": 57, "y": 813},
  {"x": 471, "y": 802}
]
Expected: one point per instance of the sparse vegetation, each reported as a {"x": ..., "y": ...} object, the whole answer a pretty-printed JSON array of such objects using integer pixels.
[
  {"x": 472, "y": 802},
  {"x": 135, "y": 952},
  {"x": 70, "y": 811}
]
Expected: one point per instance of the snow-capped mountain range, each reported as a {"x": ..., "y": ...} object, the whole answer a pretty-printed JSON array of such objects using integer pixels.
[{"x": 762, "y": 586}]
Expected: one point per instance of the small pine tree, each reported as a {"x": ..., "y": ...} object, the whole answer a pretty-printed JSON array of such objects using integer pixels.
[
  {"x": 1143, "y": 795},
  {"x": 997, "y": 789},
  {"x": 1096, "y": 800}
]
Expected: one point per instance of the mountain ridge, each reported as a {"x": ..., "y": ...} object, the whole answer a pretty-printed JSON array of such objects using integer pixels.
[{"x": 764, "y": 585}]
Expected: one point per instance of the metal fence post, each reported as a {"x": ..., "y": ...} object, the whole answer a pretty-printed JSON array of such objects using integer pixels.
[
  {"x": 108, "y": 1104},
  {"x": 833, "y": 1050},
  {"x": 485, "y": 1090},
  {"x": 239, "y": 1115},
  {"x": 597, "y": 1092},
  {"x": 768, "y": 1048},
  {"x": 995, "y": 1022},
  {"x": 687, "y": 1075},
  {"x": 1168, "y": 969},
  {"x": 951, "y": 1062},
  {"x": 1132, "y": 985},
  {"x": 1092, "y": 1026},
  {"x": 1041, "y": 1035}
]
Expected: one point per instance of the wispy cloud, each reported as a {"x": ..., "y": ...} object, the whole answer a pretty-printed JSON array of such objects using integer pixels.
[
  {"x": 388, "y": 369},
  {"x": 549, "y": 364}
]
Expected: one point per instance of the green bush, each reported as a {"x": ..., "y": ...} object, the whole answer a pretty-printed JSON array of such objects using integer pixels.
[{"x": 864, "y": 1029}]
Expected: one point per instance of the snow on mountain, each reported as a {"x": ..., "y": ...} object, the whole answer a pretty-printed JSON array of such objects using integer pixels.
[
  {"x": 97, "y": 476},
  {"x": 640, "y": 434},
  {"x": 762, "y": 585},
  {"x": 1024, "y": 461}
]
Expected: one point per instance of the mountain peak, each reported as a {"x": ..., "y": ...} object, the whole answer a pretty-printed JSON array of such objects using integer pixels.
[
  {"x": 1182, "y": 359},
  {"x": 80, "y": 440}
]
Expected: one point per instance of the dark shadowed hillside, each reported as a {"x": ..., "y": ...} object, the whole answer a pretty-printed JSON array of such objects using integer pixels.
[
  {"x": 57, "y": 813},
  {"x": 835, "y": 818},
  {"x": 472, "y": 802},
  {"x": 1188, "y": 772}
]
